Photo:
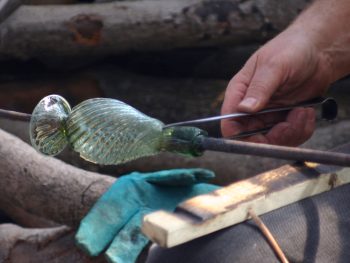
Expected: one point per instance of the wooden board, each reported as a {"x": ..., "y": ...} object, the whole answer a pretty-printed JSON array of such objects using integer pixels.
[{"x": 228, "y": 206}]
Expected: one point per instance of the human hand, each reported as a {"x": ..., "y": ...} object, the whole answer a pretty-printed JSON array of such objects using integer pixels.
[
  {"x": 287, "y": 70},
  {"x": 115, "y": 220}
]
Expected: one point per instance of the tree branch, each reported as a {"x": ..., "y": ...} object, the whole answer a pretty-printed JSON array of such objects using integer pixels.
[
  {"x": 95, "y": 30},
  {"x": 44, "y": 186},
  {"x": 40, "y": 245}
]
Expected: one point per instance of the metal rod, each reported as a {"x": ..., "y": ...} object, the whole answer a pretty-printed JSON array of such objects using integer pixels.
[
  {"x": 330, "y": 102},
  {"x": 274, "y": 151},
  {"x": 14, "y": 115},
  {"x": 250, "y": 133}
]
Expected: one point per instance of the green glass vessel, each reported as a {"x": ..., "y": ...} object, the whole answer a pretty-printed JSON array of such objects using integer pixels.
[
  {"x": 108, "y": 131},
  {"x": 105, "y": 131},
  {"x": 47, "y": 125}
]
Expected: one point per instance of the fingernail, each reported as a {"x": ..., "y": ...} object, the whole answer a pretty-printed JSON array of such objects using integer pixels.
[{"x": 249, "y": 103}]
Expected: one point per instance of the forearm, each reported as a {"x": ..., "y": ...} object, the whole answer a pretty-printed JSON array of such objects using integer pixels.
[
  {"x": 326, "y": 24},
  {"x": 298, "y": 64}
]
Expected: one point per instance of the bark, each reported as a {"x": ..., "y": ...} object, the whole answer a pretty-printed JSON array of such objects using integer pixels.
[
  {"x": 44, "y": 186},
  {"x": 40, "y": 245},
  {"x": 98, "y": 30},
  {"x": 7, "y": 7},
  {"x": 54, "y": 245}
]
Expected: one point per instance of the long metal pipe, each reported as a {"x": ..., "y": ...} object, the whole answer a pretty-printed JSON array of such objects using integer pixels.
[{"x": 274, "y": 151}]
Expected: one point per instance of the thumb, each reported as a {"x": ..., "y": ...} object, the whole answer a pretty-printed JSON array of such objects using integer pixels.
[{"x": 265, "y": 81}]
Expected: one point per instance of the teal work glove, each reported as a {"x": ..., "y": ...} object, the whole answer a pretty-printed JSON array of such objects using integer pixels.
[{"x": 115, "y": 220}]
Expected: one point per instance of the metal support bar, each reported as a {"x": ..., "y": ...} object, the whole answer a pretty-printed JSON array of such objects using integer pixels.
[{"x": 274, "y": 151}]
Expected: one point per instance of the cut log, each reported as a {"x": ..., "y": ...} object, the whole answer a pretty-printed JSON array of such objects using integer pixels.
[
  {"x": 40, "y": 245},
  {"x": 44, "y": 186},
  {"x": 100, "y": 30},
  {"x": 229, "y": 205}
]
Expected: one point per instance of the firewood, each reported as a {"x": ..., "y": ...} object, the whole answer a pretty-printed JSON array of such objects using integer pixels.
[
  {"x": 101, "y": 30},
  {"x": 43, "y": 186}
]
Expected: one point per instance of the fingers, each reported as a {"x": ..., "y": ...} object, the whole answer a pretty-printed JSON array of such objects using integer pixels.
[
  {"x": 295, "y": 130},
  {"x": 298, "y": 128},
  {"x": 234, "y": 94},
  {"x": 250, "y": 89},
  {"x": 105, "y": 219},
  {"x": 180, "y": 177},
  {"x": 129, "y": 242},
  {"x": 247, "y": 124},
  {"x": 238, "y": 85},
  {"x": 267, "y": 78}
]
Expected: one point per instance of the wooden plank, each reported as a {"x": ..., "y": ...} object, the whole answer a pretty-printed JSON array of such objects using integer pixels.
[{"x": 229, "y": 205}]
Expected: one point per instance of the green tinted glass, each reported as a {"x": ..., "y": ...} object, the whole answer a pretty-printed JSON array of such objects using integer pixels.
[
  {"x": 105, "y": 131},
  {"x": 46, "y": 128},
  {"x": 108, "y": 131}
]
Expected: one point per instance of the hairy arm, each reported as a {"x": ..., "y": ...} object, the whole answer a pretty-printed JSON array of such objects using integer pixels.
[
  {"x": 298, "y": 64},
  {"x": 327, "y": 24}
]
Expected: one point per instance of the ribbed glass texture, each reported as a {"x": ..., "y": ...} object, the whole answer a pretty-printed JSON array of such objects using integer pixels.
[
  {"x": 108, "y": 131},
  {"x": 46, "y": 128}
]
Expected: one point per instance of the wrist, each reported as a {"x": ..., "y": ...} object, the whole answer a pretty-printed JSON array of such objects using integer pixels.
[{"x": 325, "y": 25}]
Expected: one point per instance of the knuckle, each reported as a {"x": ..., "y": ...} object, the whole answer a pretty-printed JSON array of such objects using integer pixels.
[{"x": 259, "y": 88}]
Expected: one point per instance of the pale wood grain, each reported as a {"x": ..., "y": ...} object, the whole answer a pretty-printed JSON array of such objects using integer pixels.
[{"x": 229, "y": 205}]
